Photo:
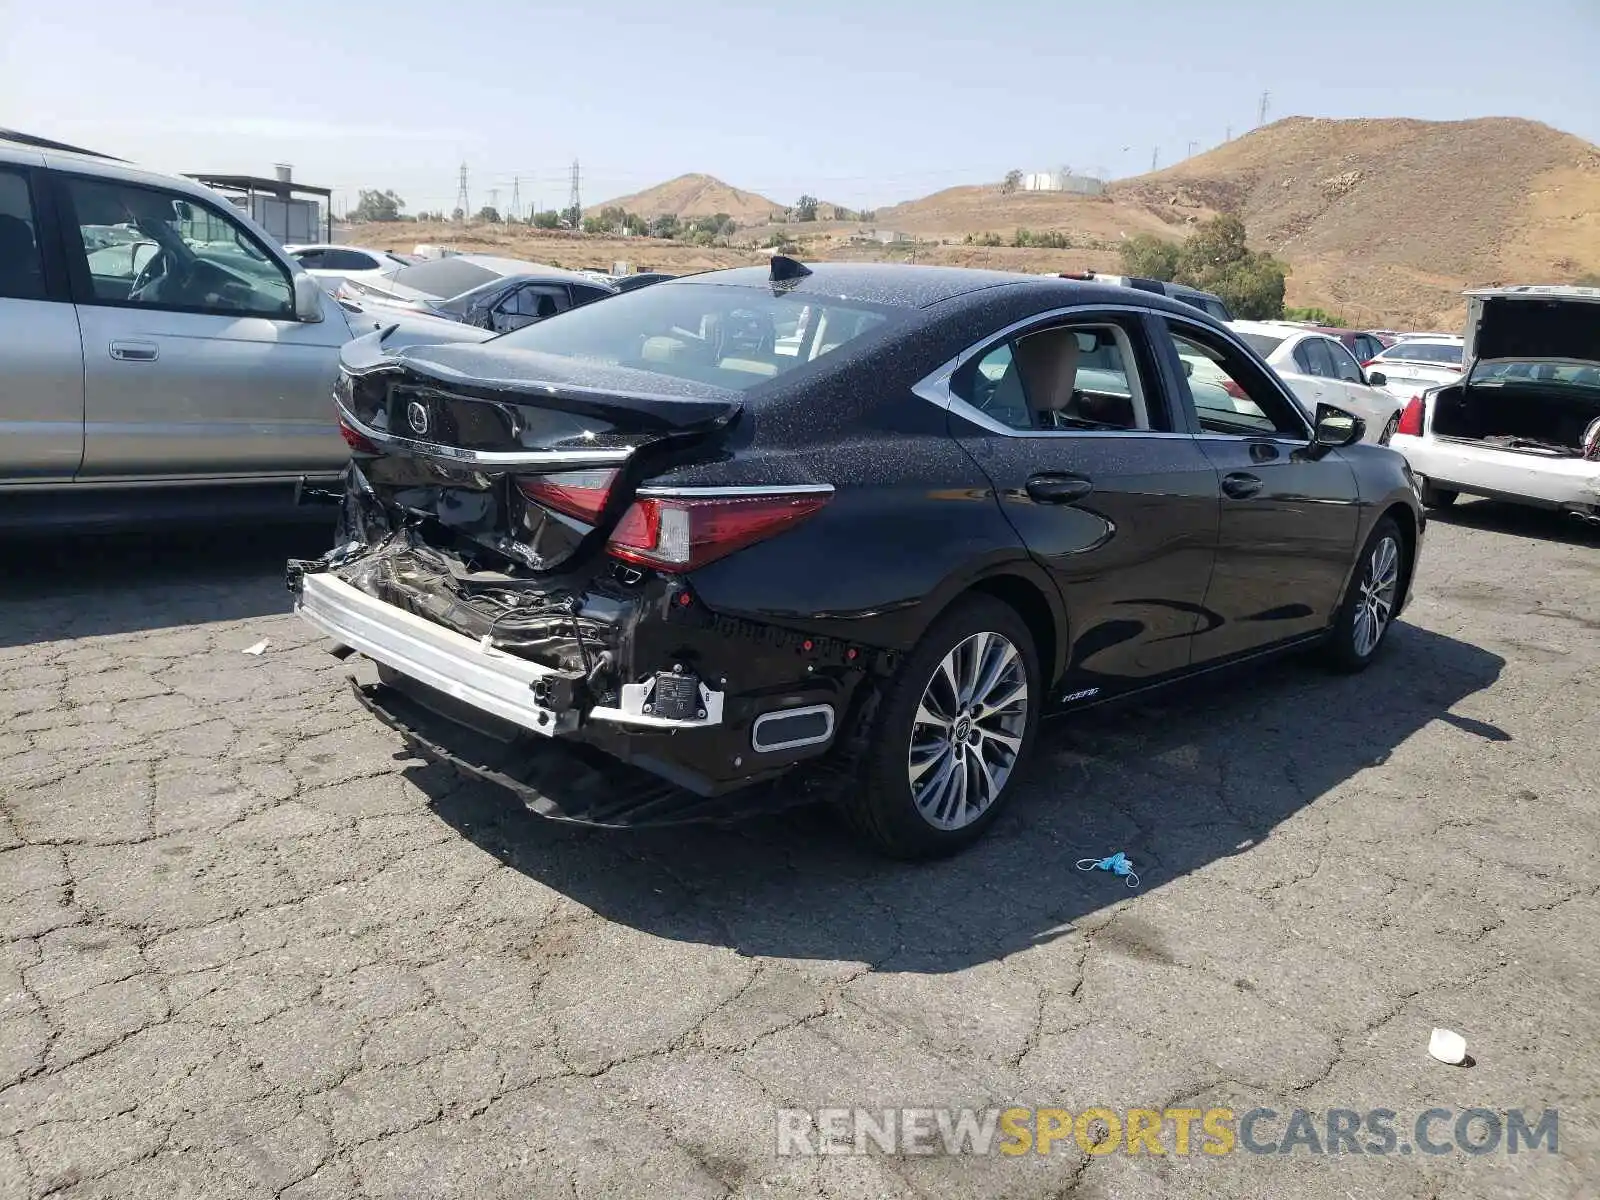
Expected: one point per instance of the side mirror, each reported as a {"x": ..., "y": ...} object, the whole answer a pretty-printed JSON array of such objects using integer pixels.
[
  {"x": 1333, "y": 428},
  {"x": 1188, "y": 368},
  {"x": 1376, "y": 378},
  {"x": 307, "y": 298}
]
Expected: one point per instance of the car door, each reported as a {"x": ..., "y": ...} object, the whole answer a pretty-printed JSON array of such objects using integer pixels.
[
  {"x": 1312, "y": 377},
  {"x": 1377, "y": 408},
  {"x": 194, "y": 363},
  {"x": 1288, "y": 517},
  {"x": 1071, "y": 423},
  {"x": 41, "y": 386},
  {"x": 529, "y": 303}
]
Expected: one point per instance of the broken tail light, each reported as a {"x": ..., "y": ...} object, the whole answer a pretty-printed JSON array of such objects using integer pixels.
[
  {"x": 356, "y": 440},
  {"x": 580, "y": 494},
  {"x": 1411, "y": 418},
  {"x": 681, "y": 533}
]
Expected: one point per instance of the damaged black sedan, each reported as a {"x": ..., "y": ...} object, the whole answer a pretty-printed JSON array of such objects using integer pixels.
[{"x": 862, "y": 522}]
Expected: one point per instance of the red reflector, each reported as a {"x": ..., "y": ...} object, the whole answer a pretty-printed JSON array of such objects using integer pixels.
[
  {"x": 1411, "y": 418},
  {"x": 356, "y": 441},
  {"x": 682, "y": 533},
  {"x": 580, "y": 494}
]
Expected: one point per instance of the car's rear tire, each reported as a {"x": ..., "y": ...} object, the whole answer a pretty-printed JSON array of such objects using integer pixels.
[
  {"x": 1389, "y": 430},
  {"x": 1367, "y": 612},
  {"x": 1437, "y": 497},
  {"x": 956, "y": 723}
]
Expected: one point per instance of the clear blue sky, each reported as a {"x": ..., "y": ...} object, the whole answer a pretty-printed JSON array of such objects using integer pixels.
[{"x": 863, "y": 102}]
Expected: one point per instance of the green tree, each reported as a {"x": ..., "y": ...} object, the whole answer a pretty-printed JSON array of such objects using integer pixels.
[
  {"x": 634, "y": 225},
  {"x": 1012, "y": 181},
  {"x": 1319, "y": 316},
  {"x": 805, "y": 208},
  {"x": 548, "y": 219},
  {"x": 457, "y": 215},
  {"x": 1217, "y": 258},
  {"x": 867, "y": 215},
  {"x": 488, "y": 214},
  {"x": 1150, "y": 257},
  {"x": 377, "y": 206},
  {"x": 572, "y": 217},
  {"x": 664, "y": 226}
]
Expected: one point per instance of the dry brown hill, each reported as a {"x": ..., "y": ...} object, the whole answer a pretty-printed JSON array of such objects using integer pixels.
[
  {"x": 1391, "y": 218},
  {"x": 986, "y": 208},
  {"x": 697, "y": 196}
]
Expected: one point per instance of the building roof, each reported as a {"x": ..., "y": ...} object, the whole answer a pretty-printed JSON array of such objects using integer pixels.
[{"x": 254, "y": 183}]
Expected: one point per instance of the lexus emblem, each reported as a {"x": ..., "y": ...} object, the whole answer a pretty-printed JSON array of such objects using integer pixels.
[{"x": 417, "y": 417}]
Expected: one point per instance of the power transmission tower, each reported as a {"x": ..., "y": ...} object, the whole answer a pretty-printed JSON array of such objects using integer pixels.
[
  {"x": 1154, "y": 156},
  {"x": 494, "y": 199},
  {"x": 1261, "y": 112},
  {"x": 516, "y": 198},
  {"x": 1228, "y": 135},
  {"x": 575, "y": 204},
  {"x": 1192, "y": 145},
  {"x": 461, "y": 194}
]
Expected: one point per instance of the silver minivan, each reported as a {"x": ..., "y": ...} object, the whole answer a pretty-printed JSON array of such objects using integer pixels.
[{"x": 160, "y": 354}]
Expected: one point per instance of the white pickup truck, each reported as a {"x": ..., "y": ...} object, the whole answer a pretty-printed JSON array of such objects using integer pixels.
[{"x": 1523, "y": 422}]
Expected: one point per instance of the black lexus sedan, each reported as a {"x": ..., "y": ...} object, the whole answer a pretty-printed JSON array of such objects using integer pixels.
[{"x": 865, "y": 521}]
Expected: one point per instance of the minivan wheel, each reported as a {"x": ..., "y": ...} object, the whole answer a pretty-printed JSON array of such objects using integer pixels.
[
  {"x": 1367, "y": 612},
  {"x": 956, "y": 723}
]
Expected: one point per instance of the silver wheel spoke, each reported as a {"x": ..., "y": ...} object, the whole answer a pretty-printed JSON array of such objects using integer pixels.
[{"x": 967, "y": 730}]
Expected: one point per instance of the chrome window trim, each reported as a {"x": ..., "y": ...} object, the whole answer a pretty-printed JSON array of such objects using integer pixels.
[
  {"x": 599, "y": 456},
  {"x": 690, "y": 491}
]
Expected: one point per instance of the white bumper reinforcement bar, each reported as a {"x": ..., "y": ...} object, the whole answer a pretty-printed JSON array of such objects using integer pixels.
[{"x": 469, "y": 671}]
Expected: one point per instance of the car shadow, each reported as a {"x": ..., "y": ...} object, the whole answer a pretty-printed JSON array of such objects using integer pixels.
[
  {"x": 62, "y": 587},
  {"x": 1518, "y": 520},
  {"x": 1177, "y": 783}
]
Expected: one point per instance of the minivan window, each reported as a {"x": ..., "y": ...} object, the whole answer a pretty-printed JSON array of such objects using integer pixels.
[
  {"x": 733, "y": 337},
  {"x": 21, "y": 270}
]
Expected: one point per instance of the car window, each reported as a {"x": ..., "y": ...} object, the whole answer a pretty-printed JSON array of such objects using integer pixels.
[
  {"x": 185, "y": 255},
  {"x": 1262, "y": 343},
  {"x": 1319, "y": 357},
  {"x": 1344, "y": 367},
  {"x": 538, "y": 300},
  {"x": 1445, "y": 353},
  {"x": 311, "y": 260},
  {"x": 587, "y": 295},
  {"x": 348, "y": 260},
  {"x": 444, "y": 277},
  {"x": 1064, "y": 378},
  {"x": 1230, "y": 393},
  {"x": 729, "y": 336},
  {"x": 21, "y": 269}
]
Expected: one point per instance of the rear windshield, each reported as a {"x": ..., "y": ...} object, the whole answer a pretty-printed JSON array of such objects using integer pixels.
[
  {"x": 733, "y": 337},
  {"x": 1262, "y": 343},
  {"x": 1445, "y": 353},
  {"x": 1506, "y": 374},
  {"x": 444, "y": 277}
]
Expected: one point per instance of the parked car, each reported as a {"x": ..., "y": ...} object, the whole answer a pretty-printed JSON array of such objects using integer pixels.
[
  {"x": 1319, "y": 370},
  {"x": 1523, "y": 422},
  {"x": 1416, "y": 362},
  {"x": 1206, "y": 302},
  {"x": 332, "y": 264},
  {"x": 183, "y": 370},
  {"x": 497, "y": 294},
  {"x": 1363, "y": 346},
  {"x": 618, "y": 538}
]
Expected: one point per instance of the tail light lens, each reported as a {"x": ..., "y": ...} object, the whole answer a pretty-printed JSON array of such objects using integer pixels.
[
  {"x": 356, "y": 440},
  {"x": 1234, "y": 390},
  {"x": 683, "y": 533},
  {"x": 580, "y": 494},
  {"x": 1367, "y": 363},
  {"x": 1411, "y": 418}
]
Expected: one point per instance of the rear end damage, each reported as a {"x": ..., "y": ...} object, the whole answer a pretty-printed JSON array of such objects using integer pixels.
[{"x": 529, "y": 600}]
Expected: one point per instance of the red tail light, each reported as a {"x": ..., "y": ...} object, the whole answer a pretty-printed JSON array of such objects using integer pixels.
[
  {"x": 1367, "y": 363},
  {"x": 356, "y": 441},
  {"x": 682, "y": 533},
  {"x": 580, "y": 494},
  {"x": 1234, "y": 390},
  {"x": 1411, "y": 418}
]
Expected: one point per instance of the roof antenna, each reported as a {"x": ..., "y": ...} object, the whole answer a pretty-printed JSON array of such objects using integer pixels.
[{"x": 786, "y": 270}]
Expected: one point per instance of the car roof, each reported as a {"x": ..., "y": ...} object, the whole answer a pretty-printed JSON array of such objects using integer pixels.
[
  {"x": 518, "y": 266},
  {"x": 901, "y": 285},
  {"x": 1279, "y": 329}
]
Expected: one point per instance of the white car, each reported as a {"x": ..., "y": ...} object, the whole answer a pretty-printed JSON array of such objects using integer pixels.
[
  {"x": 332, "y": 264},
  {"x": 1522, "y": 423},
  {"x": 1319, "y": 370},
  {"x": 1418, "y": 362}
]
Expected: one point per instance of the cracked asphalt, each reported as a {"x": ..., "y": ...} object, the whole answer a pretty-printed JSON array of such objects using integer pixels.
[{"x": 252, "y": 949}]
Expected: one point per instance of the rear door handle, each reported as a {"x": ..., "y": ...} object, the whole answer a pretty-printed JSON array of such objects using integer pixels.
[
  {"x": 1058, "y": 489},
  {"x": 1240, "y": 485},
  {"x": 134, "y": 351}
]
